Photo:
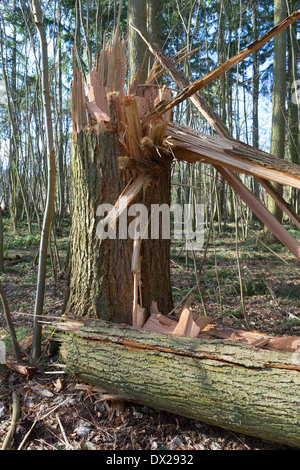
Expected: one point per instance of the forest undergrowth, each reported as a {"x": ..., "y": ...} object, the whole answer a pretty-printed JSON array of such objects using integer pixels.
[{"x": 59, "y": 413}]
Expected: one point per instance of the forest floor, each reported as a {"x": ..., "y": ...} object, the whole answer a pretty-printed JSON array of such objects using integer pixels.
[{"x": 63, "y": 414}]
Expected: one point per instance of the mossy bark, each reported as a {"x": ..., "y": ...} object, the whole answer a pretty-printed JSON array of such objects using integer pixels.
[{"x": 222, "y": 383}]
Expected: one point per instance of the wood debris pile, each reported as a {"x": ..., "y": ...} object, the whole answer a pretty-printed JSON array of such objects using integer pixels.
[{"x": 196, "y": 326}]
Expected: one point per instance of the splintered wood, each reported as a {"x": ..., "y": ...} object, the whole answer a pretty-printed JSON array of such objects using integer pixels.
[
  {"x": 108, "y": 109},
  {"x": 111, "y": 65},
  {"x": 186, "y": 326},
  {"x": 195, "y": 326},
  {"x": 148, "y": 138},
  {"x": 78, "y": 101},
  {"x": 192, "y": 147},
  {"x": 225, "y": 153}
]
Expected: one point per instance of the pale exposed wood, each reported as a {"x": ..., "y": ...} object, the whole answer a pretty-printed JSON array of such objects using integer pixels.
[
  {"x": 182, "y": 81},
  {"x": 256, "y": 338},
  {"x": 111, "y": 65},
  {"x": 96, "y": 92},
  {"x": 160, "y": 324},
  {"x": 141, "y": 316},
  {"x": 96, "y": 112},
  {"x": 16, "y": 414},
  {"x": 213, "y": 154},
  {"x": 136, "y": 257},
  {"x": 155, "y": 73},
  {"x": 186, "y": 325},
  {"x": 138, "y": 313},
  {"x": 143, "y": 105},
  {"x": 78, "y": 101},
  {"x": 202, "y": 322},
  {"x": 135, "y": 300},
  {"x": 153, "y": 307},
  {"x": 228, "y": 143},
  {"x": 156, "y": 130},
  {"x": 134, "y": 133},
  {"x": 193, "y": 147},
  {"x": 102, "y": 394},
  {"x": 21, "y": 367},
  {"x": 125, "y": 199}
]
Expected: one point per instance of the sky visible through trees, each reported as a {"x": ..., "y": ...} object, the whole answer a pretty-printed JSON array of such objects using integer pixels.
[{"x": 81, "y": 25}]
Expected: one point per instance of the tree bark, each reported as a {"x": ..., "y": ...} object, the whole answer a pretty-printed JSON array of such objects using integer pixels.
[
  {"x": 101, "y": 277},
  {"x": 278, "y": 106},
  {"x": 255, "y": 93},
  {"x": 154, "y": 21},
  {"x": 224, "y": 383},
  {"x": 51, "y": 177},
  {"x": 101, "y": 281},
  {"x": 293, "y": 105},
  {"x": 137, "y": 16}
]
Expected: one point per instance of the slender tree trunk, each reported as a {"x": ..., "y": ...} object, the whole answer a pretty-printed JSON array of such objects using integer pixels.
[
  {"x": 278, "y": 104},
  {"x": 1, "y": 242},
  {"x": 137, "y": 16},
  {"x": 39, "y": 304},
  {"x": 10, "y": 324},
  {"x": 15, "y": 141},
  {"x": 255, "y": 93},
  {"x": 222, "y": 94},
  {"x": 60, "y": 136}
]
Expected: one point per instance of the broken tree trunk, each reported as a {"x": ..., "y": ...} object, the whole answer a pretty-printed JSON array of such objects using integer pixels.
[
  {"x": 113, "y": 156},
  {"x": 192, "y": 147},
  {"x": 220, "y": 382}
]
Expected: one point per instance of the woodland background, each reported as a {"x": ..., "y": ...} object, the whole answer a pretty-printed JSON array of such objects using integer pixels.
[{"x": 247, "y": 278}]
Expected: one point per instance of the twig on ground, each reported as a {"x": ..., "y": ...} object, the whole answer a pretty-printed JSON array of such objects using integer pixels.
[{"x": 16, "y": 413}]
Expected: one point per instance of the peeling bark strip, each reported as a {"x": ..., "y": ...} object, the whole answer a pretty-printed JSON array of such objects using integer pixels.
[{"x": 223, "y": 383}]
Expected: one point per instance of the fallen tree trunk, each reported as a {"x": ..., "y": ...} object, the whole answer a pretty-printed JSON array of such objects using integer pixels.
[{"x": 220, "y": 382}]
